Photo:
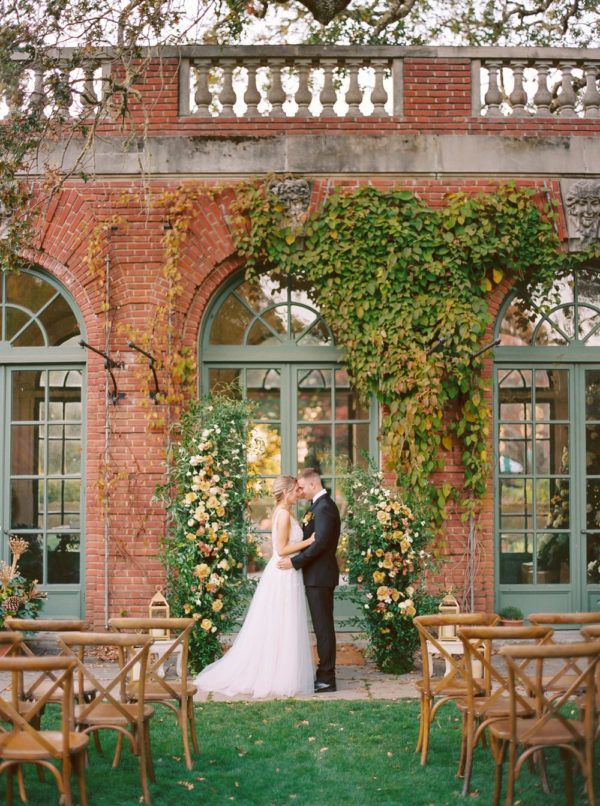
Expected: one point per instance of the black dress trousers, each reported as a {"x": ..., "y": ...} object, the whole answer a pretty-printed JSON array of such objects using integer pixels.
[{"x": 320, "y": 603}]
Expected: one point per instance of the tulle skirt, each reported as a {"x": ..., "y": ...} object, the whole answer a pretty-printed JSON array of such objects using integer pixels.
[{"x": 271, "y": 656}]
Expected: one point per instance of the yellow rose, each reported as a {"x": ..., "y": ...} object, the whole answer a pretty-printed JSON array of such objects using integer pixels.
[
  {"x": 220, "y": 511},
  {"x": 383, "y": 517},
  {"x": 378, "y": 577},
  {"x": 387, "y": 563},
  {"x": 206, "y": 624},
  {"x": 217, "y": 605},
  {"x": 379, "y": 553},
  {"x": 190, "y": 536},
  {"x": 395, "y": 595},
  {"x": 202, "y": 571},
  {"x": 212, "y": 502},
  {"x": 382, "y": 592},
  {"x": 187, "y": 607},
  {"x": 224, "y": 564},
  {"x": 190, "y": 498}
]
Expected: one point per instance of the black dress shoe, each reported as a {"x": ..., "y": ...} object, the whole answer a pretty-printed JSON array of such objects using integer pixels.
[{"x": 325, "y": 688}]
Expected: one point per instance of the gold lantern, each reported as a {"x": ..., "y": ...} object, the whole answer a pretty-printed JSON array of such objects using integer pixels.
[
  {"x": 448, "y": 606},
  {"x": 159, "y": 608}
]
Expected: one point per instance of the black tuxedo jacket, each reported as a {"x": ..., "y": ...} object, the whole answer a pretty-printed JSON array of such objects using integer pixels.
[{"x": 318, "y": 563}]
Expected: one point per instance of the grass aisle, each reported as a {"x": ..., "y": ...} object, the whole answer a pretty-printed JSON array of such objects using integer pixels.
[{"x": 311, "y": 753}]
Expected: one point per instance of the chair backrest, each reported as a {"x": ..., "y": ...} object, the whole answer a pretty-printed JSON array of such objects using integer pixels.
[
  {"x": 556, "y": 619},
  {"x": 13, "y": 640},
  {"x": 131, "y": 649},
  {"x": 25, "y": 720},
  {"x": 478, "y": 643},
  {"x": 163, "y": 651},
  {"x": 583, "y": 656},
  {"x": 427, "y": 627}
]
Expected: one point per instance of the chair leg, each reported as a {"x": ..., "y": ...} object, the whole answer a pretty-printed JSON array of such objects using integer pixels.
[
  {"x": 9, "y": 786},
  {"x": 541, "y": 762},
  {"x": 463, "y": 746},
  {"x": 566, "y": 757},
  {"x": 510, "y": 784},
  {"x": 21, "y": 781},
  {"x": 420, "y": 739},
  {"x": 468, "y": 766},
  {"x": 67, "y": 799},
  {"x": 97, "y": 745},
  {"x": 192, "y": 721},
  {"x": 589, "y": 773},
  {"x": 148, "y": 751},
  {"x": 499, "y": 755},
  {"x": 118, "y": 749},
  {"x": 426, "y": 731},
  {"x": 182, "y": 717},
  {"x": 79, "y": 762},
  {"x": 143, "y": 756}
]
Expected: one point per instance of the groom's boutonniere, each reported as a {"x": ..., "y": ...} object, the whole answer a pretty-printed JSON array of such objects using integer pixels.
[{"x": 307, "y": 518}]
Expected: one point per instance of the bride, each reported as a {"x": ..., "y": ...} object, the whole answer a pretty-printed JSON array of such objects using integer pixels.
[{"x": 271, "y": 656}]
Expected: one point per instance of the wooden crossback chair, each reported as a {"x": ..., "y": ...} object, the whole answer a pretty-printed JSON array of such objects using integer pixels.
[
  {"x": 480, "y": 711},
  {"x": 435, "y": 692},
  {"x": 49, "y": 627},
  {"x": 549, "y": 726},
  {"x": 13, "y": 642},
  {"x": 26, "y": 743},
  {"x": 176, "y": 693},
  {"x": 559, "y": 681},
  {"x": 109, "y": 708}
]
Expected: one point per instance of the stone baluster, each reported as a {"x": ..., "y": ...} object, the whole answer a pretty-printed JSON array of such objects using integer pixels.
[
  {"x": 565, "y": 101},
  {"x": 303, "y": 93},
  {"x": 379, "y": 94},
  {"x": 354, "y": 95},
  {"x": 252, "y": 96},
  {"x": 493, "y": 96},
  {"x": 591, "y": 96},
  {"x": 543, "y": 97},
  {"x": 89, "y": 98},
  {"x": 64, "y": 95},
  {"x": 328, "y": 93},
  {"x": 203, "y": 96},
  {"x": 227, "y": 95},
  {"x": 37, "y": 95},
  {"x": 518, "y": 97},
  {"x": 276, "y": 94}
]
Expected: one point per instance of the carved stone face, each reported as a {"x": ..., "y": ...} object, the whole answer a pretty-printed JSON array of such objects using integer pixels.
[
  {"x": 583, "y": 204},
  {"x": 294, "y": 195}
]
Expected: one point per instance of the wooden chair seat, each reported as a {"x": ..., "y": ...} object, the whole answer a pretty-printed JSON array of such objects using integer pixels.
[
  {"x": 24, "y": 747},
  {"x": 483, "y": 707},
  {"x": 107, "y": 714},
  {"x": 550, "y": 733},
  {"x": 156, "y": 692},
  {"x": 560, "y": 683},
  {"x": 88, "y": 690}
]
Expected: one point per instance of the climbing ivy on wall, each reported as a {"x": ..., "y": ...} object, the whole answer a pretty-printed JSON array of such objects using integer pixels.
[{"x": 393, "y": 277}]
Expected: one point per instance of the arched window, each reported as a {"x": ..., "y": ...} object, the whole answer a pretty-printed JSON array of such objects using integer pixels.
[
  {"x": 42, "y": 378},
  {"x": 547, "y": 447},
  {"x": 271, "y": 344}
]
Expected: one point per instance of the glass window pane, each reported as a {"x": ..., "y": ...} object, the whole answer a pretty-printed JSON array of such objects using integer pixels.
[
  {"x": 314, "y": 394},
  {"x": 277, "y": 319},
  {"x": 352, "y": 443},
  {"x": 261, "y": 511},
  {"x": 27, "y": 395},
  {"x": 230, "y": 323},
  {"x": 552, "y": 449},
  {"x": 317, "y": 336},
  {"x": 261, "y": 293},
  {"x": 31, "y": 336},
  {"x": 347, "y": 404},
  {"x": 516, "y": 559},
  {"x": 26, "y": 451},
  {"x": 564, "y": 318},
  {"x": 516, "y": 503},
  {"x": 592, "y": 394},
  {"x": 548, "y": 336},
  {"x": 301, "y": 318},
  {"x": 63, "y": 558},
  {"x": 515, "y": 394},
  {"x": 225, "y": 381},
  {"x": 592, "y": 504},
  {"x": 59, "y": 322},
  {"x": 263, "y": 387},
  {"x": 31, "y": 564},
  {"x": 64, "y": 503},
  {"x": 552, "y": 394},
  {"x": 592, "y": 450},
  {"x": 514, "y": 448},
  {"x": 588, "y": 285},
  {"x": 517, "y": 326},
  {"x": 552, "y": 503},
  {"x": 264, "y": 456},
  {"x": 588, "y": 320},
  {"x": 15, "y": 320},
  {"x": 553, "y": 558},
  {"x": 593, "y": 559},
  {"x": 260, "y": 334},
  {"x": 28, "y": 290},
  {"x": 314, "y": 448},
  {"x": 64, "y": 401},
  {"x": 26, "y": 504}
]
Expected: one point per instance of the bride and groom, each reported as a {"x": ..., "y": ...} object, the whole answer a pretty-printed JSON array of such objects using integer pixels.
[{"x": 271, "y": 656}]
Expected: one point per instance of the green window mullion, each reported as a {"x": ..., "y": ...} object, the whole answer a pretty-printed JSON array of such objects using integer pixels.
[{"x": 45, "y": 482}]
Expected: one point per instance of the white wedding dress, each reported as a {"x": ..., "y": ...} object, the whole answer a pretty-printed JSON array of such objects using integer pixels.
[{"x": 271, "y": 656}]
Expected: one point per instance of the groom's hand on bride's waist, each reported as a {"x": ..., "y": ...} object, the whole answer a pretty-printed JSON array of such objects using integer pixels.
[{"x": 285, "y": 564}]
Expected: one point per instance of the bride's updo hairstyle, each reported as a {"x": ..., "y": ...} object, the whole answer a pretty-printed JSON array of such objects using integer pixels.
[{"x": 281, "y": 486}]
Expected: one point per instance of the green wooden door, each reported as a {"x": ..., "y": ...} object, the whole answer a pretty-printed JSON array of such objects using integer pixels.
[
  {"x": 547, "y": 451},
  {"x": 42, "y": 387}
]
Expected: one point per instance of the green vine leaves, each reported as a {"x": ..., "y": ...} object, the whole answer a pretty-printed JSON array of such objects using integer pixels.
[{"x": 405, "y": 288}]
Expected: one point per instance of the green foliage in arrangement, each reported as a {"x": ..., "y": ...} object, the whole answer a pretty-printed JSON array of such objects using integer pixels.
[
  {"x": 405, "y": 288},
  {"x": 386, "y": 559},
  {"x": 19, "y": 596},
  {"x": 206, "y": 495}
]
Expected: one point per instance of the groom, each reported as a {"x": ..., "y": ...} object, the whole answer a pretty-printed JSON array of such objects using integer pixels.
[{"x": 320, "y": 571}]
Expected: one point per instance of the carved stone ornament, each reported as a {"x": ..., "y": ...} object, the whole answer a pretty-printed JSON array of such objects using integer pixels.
[
  {"x": 5, "y": 220},
  {"x": 581, "y": 199},
  {"x": 294, "y": 194},
  {"x": 325, "y": 10}
]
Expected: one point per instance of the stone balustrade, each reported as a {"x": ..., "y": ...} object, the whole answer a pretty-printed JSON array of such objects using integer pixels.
[
  {"x": 280, "y": 82},
  {"x": 541, "y": 86}
]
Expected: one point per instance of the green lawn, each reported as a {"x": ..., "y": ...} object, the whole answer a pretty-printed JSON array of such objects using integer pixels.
[{"x": 304, "y": 753}]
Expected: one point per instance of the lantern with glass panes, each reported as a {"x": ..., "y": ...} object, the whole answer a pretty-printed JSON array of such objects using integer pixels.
[
  {"x": 447, "y": 607},
  {"x": 159, "y": 608}
]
